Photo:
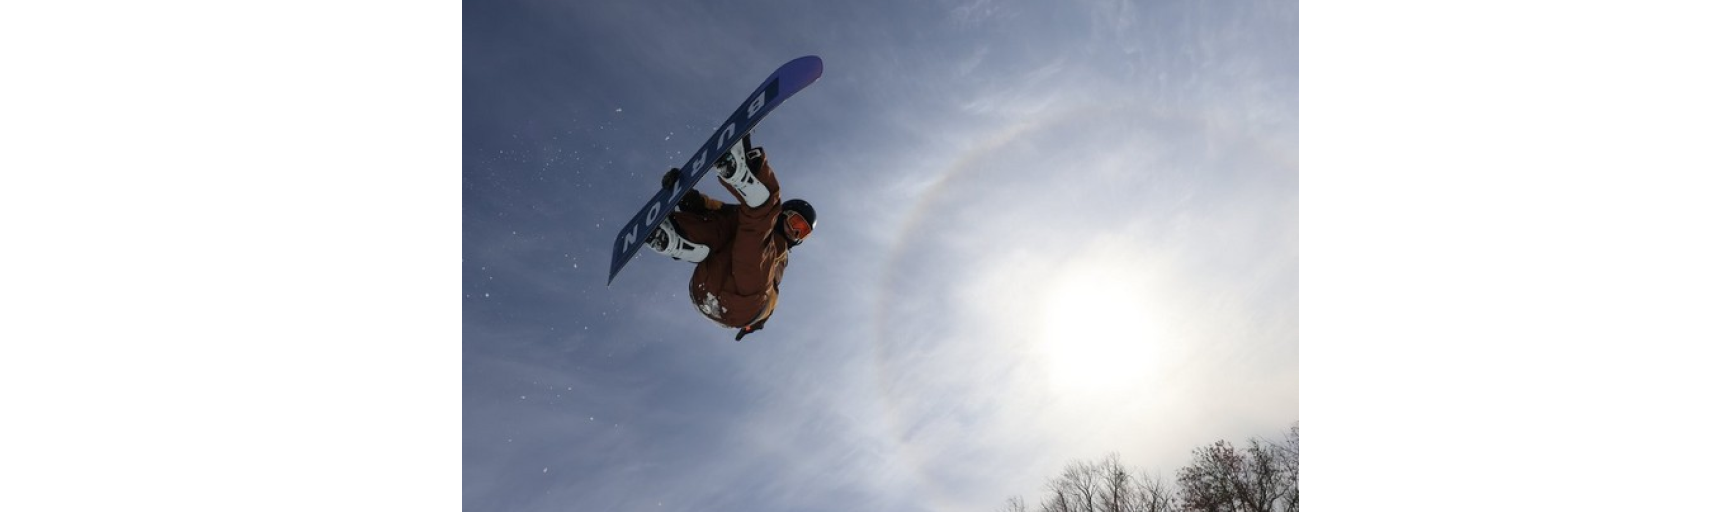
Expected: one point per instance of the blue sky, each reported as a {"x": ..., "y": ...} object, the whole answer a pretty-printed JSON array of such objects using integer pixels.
[{"x": 1049, "y": 232}]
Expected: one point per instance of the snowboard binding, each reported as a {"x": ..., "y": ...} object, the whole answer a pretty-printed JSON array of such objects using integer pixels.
[
  {"x": 742, "y": 178},
  {"x": 666, "y": 240}
]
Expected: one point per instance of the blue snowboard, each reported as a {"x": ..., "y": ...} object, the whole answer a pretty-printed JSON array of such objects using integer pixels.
[{"x": 792, "y": 77}]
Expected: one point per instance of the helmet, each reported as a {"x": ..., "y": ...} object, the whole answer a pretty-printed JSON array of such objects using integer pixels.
[{"x": 797, "y": 220}]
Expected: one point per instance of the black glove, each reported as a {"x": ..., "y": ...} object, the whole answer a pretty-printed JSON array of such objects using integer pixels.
[
  {"x": 749, "y": 329},
  {"x": 670, "y": 178}
]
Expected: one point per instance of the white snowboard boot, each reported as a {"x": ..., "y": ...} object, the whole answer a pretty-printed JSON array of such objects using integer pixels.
[
  {"x": 665, "y": 240},
  {"x": 737, "y": 174}
]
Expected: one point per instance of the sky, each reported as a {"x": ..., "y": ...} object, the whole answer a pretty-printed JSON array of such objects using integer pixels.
[{"x": 1048, "y": 232}]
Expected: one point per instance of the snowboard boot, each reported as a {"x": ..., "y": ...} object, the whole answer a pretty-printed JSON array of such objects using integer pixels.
[
  {"x": 666, "y": 240},
  {"x": 736, "y": 174}
]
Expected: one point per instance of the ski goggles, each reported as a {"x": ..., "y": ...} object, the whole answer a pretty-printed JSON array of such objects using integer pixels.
[{"x": 796, "y": 226}]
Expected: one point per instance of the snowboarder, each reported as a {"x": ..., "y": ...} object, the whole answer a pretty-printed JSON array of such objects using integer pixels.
[{"x": 740, "y": 250}]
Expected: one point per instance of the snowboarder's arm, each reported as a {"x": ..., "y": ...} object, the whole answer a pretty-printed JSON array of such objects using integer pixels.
[
  {"x": 753, "y": 254},
  {"x": 693, "y": 200}
]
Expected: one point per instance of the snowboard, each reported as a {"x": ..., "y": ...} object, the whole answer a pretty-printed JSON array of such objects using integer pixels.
[{"x": 792, "y": 77}]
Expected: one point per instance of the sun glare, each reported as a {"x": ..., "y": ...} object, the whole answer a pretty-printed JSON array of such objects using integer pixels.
[{"x": 1100, "y": 329}]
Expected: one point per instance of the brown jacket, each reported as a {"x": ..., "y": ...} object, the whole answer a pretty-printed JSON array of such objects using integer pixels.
[{"x": 738, "y": 283}]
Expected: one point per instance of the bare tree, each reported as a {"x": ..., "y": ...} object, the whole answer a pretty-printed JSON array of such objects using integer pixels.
[
  {"x": 1151, "y": 495},
  {"x": 1265, "y": 478},
  {"x": 1118, "y": 487},
  {"x": 1261, "y": 478},
  {"x": 1287, "y": 456},
  {"x": 1221, "y": 478},
  {"x": 1076, "y": 490},
  {"x": 1058, "y": 502},
  {"x": 1104, "y": 486},
  {"x": 1210, "y": 483}
]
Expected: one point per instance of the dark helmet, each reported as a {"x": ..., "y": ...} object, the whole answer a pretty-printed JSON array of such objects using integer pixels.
[{"x": 797, "y": 220}]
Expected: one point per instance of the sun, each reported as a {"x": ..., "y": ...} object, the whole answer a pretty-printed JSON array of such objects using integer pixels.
[{"x": 1100, "y": 328}]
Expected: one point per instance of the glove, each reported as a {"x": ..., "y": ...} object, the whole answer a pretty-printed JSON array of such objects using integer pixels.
[
  {"x": 670, "y": 178},
  {"x": 747, "y": 330}
]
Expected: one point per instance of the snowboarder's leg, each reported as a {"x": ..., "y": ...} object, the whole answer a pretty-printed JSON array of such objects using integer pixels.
[
  {"x": 740, "y": 176},
  {"x": 666, "y": 240}
]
